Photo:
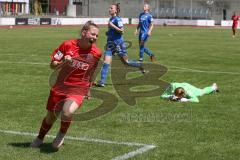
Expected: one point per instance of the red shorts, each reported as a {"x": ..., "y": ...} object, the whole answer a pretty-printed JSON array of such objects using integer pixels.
[
  {"x": 56, "y": 100},
  {"x": 235, "y": 26}
]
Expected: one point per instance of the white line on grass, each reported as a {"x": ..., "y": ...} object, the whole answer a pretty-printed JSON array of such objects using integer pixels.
[
  {"x": 134, "y": 153},
  {"x": 183, "y": 69},
  {"x": 20, "y": 55},
  {"x": 199, "y": 71},
  {"x": 143, "y": 147},
  {"x": 179, "y": 69},
  {"x": 29, "y": 63}
]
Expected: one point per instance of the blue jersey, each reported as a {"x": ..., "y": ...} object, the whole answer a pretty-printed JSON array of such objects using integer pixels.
[
  {"x": 112, "y": 34},
  {"x": 145, "y": 19}
]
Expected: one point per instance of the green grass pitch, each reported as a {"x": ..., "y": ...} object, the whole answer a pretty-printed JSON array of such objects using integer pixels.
[{"x": 207, "y": 130}]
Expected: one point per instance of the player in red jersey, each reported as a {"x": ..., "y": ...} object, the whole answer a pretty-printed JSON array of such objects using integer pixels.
[
  {"x": 235, "y": 19},
  {"x": 75, "y": 61}
]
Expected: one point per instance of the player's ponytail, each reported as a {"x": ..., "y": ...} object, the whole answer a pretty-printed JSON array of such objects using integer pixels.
[{"x": 118, "y": 8}]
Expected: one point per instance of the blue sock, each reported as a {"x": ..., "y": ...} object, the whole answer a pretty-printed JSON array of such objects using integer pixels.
[
  {"x": 104, "y": 72},
  {"x": 148, "y": 52},
  {"x": 133, "y": 63},
  {"x": 141, "y": 53}
]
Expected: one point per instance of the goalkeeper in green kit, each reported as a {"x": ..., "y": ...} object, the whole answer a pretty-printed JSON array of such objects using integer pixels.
[{"x": 185, "y": 92}]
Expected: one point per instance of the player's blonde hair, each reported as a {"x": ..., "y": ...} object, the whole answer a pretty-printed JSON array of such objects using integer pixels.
[
  {"x": 88, "y": 25},
  {"x": 149, "y": 7}
]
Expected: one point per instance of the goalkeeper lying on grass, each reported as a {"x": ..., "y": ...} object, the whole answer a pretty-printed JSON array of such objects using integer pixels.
[{"x": 185, "y": 92}]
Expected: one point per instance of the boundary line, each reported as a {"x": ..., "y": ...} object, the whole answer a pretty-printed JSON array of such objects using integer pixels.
[
  {"x": 30, "y": 63},
  {"x": 200, "y": 71},
  {"x": 19, "y": 55},
  {"x": 179, "y": 69},
  {"x": 142, "y": 147}
]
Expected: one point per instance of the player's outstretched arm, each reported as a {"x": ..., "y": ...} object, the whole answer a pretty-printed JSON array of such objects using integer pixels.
[
  {"x": 121, "y": 30},
  {"x": 193, "y": 99}
]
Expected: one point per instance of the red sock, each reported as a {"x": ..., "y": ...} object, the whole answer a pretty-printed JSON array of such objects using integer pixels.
[
  {"x": 64, "y": 126},
  {"x": 44, "y": 129}
]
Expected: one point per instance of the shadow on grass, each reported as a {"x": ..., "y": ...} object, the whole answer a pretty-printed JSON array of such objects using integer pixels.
[{"x": 45, "y": 148}]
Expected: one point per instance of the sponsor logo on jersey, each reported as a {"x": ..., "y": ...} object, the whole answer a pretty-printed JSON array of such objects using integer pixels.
[
  {"x": 120, "y": 24},
  {"x": 80, "y": 65},
  {"x": 58, "y": 55}
]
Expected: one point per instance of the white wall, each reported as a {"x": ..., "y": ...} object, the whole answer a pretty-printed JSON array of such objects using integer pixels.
[
  {"x": 71, "y": 10},
  {"x": 7, "y": 21},
  {"x": 104, "y": 21},
  {"x": 228, "y": 23},
  {"x": 180, "y": 22},
  {"x": 79, "y": 21}
]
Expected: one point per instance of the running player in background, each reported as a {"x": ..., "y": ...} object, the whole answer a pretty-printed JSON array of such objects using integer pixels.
[
  {"x": 77, "y": 60},
  {"x": 144, "y": 28},
  {"x": 235, "y": 19},
  {"x": 185, "y": 92},
  {"x": 115, "y": 44}
]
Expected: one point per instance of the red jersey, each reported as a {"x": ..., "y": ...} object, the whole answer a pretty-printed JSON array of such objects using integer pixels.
[
  {"x": 235, "y": 19},
  {"x": 74, "y": 77}
]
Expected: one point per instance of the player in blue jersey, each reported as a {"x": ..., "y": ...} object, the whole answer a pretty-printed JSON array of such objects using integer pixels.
[
  {"x": 145, "y": 27},
  {"x": 115, "y": 44}
]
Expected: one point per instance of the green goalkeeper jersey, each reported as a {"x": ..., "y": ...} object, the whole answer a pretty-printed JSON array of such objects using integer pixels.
[{"x": 191, "y": 92}]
